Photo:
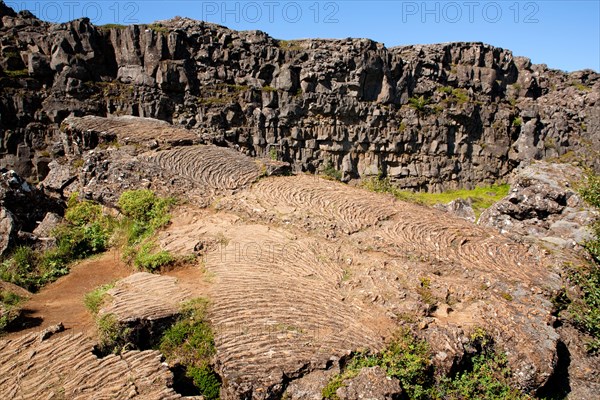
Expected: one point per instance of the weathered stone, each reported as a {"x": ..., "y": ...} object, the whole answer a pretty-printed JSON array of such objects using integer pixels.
[
  {"x": 349, "y": 98},
  {"x": 48, "y": 224},
  {"x": 7, "y": 230},
  {"x": 543, "y": 204},
  {"x": 370, "y": 384}
]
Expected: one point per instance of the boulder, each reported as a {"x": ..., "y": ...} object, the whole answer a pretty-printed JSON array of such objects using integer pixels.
[
  {"x": 8, "y": 231},
  {"x": 370, "y": 384},
  {"x": 543, "y": 204}
]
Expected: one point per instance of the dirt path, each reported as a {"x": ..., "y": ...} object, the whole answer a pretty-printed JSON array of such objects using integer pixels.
[{"x": 62, "y": 301}]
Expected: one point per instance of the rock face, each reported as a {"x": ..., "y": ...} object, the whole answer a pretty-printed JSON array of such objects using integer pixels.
[
  {"x": 106, "y": 156},
  {"x": 544, "y": 204},
  {"x": 42, "y": 366},
  {"x": 307, "y": 270},
  {"x": 146, "y": 304},
  {"x": 352, "y": 104},
  {"x": 22, "y": 207},
  {"x": 370, "y": 384}
]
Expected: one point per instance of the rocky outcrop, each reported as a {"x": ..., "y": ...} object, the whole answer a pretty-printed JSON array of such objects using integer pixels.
[
  {"x": 106, "y": 156},
  {"x": 544, "y": 204},
  {"x": 45, "y": 365},
  {"x": 146, "y": 304},
  {"x": 352, "y": 104},
  {"x": 370, "y": 383},
  {"x": 22, "y": 207},
  {"x": 307, "y": 270}
]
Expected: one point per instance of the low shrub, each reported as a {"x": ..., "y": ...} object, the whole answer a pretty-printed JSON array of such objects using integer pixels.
[
  {"x": 190, "y": 343},
  {"x": 206, "y": 380},
  {"x": 113, "y": 337},
  {"x": 419, "y": 103},
  {"x": 406, "y": 358},
  {"x": 93, "y": 300},
  {"x": 147, "y": 259},
  {"x": 9, "y": 307},
  {"x": 331, "y": 172},
  {"x": 145, "y": 212},
  {"x": 485, "y": 374}
]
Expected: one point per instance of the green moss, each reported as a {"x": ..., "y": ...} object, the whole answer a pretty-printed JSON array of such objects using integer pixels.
[
  {"x": 112, "y": 26},
  {"x": 481, "y": 197},
  {"x": 21, "y": 73},
  {"x": 268, "y": 89},
  {"x": 518, "y": 121},
  {"x": 93, "y": 300},
  {"x": 190, "y": 342},
  {"x": 289, "y": 45},
  {"x": 158, "y": 28}
]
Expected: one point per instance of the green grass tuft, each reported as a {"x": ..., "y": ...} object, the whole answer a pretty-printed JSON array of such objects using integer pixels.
[
  {"x": 21, "y": 73},
  {"x": 409, "y": 359},
  {"x": 9, "y": 307},
  {"x": 481, "y": 197},
  {"x": 190, "y": 342},
  {"x": 93, "y": 300},
  {"x": 330, "y": 172}
]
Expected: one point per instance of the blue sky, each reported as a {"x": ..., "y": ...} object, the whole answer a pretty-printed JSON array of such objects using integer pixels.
[{"x": 562, "y": 34}]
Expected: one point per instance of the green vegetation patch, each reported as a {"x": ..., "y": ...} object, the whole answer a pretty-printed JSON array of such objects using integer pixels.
[
  {"x": 289, "y": 45},
  {"x": 9, "y": 307},
  {"x": 481, "y": 197},
  {"x": 409, "y": 359},
  {"x": 190, "y": 343},
  {"x": 419, "y": 103},
  {"x": 582, "y": 306},
  {"x": 144, "y": 213},
  {"x": 113, "y": 337},
  {"x": 86, "y": 231},
  {"x": 21, "y": 73},
  {"x": 330, "y": 172},
  {"x": 95, "y": 299},
  {"x": 108, "y": 27},
  {"x": 160, "y": 28}
]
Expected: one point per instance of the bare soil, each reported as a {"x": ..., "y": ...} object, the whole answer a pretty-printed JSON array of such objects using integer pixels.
[{"x": 62, "y": 301}]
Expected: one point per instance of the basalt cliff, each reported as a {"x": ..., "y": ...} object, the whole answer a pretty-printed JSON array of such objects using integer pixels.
[{"x": 431, "y": 117}]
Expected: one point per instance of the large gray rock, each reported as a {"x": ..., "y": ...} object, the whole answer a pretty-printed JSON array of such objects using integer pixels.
[
  {"x": 543, "y": 204},
  {"x": 8, "y": 231}
]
